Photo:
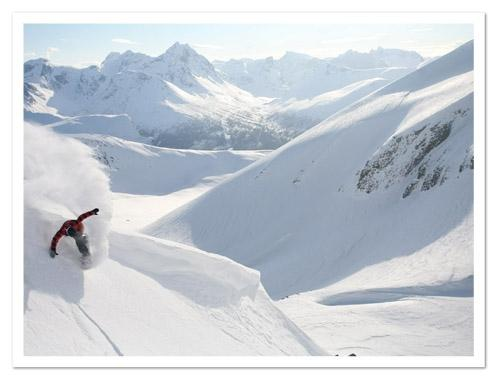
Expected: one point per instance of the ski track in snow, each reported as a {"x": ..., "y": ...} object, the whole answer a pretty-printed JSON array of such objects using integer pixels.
[{"x": 113, "y": 345}]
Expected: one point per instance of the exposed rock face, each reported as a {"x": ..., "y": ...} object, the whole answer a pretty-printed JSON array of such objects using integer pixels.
[
  {"x": 30, "y": 91},
  {"x": 410, "y": 156}
]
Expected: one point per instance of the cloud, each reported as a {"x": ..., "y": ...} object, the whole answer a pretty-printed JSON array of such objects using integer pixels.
[
  {"x": 124, "y": 41},
  {"x": 50, "y": 51},
  {"x": 207, "y": 46}
]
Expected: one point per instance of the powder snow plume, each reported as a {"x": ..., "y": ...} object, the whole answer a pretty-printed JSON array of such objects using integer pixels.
[{"x": 61, "y": 181}]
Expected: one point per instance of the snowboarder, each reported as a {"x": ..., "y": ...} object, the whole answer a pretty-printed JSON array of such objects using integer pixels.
[{"x": 74, "y": 229}]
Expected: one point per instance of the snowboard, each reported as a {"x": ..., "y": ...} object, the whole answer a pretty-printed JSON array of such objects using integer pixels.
[
  {"x": 86, "y": 262},
  {"x": 82, "y": 243}
]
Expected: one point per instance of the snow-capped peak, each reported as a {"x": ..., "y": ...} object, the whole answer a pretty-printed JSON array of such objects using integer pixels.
[
  {"x": 116, "y": 62},
  {"x": 38, "y": 71},
  {"x": 182, "y": 53},
  {"x": 180, "y": 64},
  {"x": 291, "y": 55},
  {"x": 37, "y": 61},
  {"x": 181, "y": 50},
  {"x": 36, "y": 66}
]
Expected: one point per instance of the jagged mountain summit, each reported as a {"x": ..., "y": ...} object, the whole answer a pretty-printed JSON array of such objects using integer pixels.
[
  {"x": 301, "y": 76},
  {"x": 388, "y": 179},
  {"x": 176, "y": 99},
  {"x": 179, "y": 64},
  {"x": 377, "y": 58}
]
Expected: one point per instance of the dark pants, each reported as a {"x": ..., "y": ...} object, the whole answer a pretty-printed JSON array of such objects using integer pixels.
[{"x": 82, "y": 243}]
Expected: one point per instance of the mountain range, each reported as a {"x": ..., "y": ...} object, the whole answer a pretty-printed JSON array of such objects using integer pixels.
[
  {"x": 179, "y": 99},
  {"x": 301, "y": 76}
]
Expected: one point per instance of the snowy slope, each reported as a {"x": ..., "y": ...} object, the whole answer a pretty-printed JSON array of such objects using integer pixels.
[
  {"x": 111, "y": 125},
  {"x": 137, "y": 168},
  {"x": 388, "y": 178},
  {"x": 430, "y": 322},
  {"x": 150, "y": 296},
  {"x": 420, "y": 304},
  {"x": 301, "y": 76}
]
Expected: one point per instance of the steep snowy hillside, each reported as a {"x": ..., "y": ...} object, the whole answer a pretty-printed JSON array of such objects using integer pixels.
[
  {"x": 390, "y": 177},
  {"x": 150, "y": 296},
  {"x": 177, "y": 99},
  {"x": 301, "y": 76}
]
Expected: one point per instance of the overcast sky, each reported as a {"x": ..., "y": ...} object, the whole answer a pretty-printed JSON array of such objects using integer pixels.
[{"x": 85, "y": 44}]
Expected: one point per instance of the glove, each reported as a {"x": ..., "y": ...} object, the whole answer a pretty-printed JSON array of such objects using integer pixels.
[
  {"x": 53, "y": 253},
  {"x": 95, "y": 210}
]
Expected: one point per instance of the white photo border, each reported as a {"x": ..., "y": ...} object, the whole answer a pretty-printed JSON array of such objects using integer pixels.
[{"x": 474, "y": 18}]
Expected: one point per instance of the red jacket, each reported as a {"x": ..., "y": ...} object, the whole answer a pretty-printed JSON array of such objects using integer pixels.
[{"x": 77, "y": 225}]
